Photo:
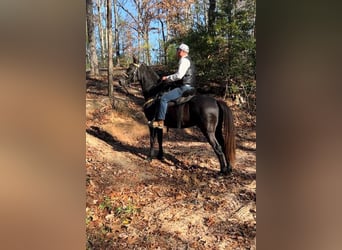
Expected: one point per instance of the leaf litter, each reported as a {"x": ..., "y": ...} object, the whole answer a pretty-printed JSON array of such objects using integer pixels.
[{"x": 180, "y": 203}]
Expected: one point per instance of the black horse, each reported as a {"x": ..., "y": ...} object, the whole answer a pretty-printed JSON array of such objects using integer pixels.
[{"x": 213, "y": 117}]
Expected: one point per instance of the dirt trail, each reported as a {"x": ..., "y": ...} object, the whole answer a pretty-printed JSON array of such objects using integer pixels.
[{"x": 181, "y": 203}]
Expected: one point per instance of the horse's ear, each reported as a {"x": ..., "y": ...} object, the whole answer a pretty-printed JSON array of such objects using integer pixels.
[{"x": 135, "y": 60}]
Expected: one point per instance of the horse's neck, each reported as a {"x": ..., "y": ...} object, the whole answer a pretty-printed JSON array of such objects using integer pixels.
[
  {"x": 145, "y": 87},
  {"x": 148, "y": 82}
]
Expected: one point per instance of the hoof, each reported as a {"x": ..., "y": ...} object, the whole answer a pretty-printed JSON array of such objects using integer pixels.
[{"x": 226, "y": 172}]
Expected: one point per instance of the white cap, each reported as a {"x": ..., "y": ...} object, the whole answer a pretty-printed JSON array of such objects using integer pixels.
[{"x": 184, "y": 47}]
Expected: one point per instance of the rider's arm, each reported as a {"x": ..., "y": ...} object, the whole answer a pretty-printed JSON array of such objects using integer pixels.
[{"x": 184, "y": 64}]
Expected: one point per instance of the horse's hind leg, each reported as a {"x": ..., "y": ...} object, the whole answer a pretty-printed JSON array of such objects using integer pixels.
[
  {"x": 220, "y": 139},
  {"x": 218, "y": 150}
]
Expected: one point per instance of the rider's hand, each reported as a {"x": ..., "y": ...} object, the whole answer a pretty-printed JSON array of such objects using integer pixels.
[{"x": 164, "y": 78}]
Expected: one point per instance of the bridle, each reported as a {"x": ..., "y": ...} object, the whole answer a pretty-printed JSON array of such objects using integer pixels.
[{"x": 135, "y": 72}]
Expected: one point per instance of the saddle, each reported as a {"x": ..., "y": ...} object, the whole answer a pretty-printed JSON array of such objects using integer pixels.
[
  {"x": 186, "y": 96},
  {"x": 179, "y": 102}
]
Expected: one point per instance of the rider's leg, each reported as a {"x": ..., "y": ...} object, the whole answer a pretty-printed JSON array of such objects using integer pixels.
[{"x": 169, "y": 96}]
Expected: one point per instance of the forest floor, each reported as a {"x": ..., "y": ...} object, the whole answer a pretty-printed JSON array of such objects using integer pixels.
[{"x": 180, "y": 203}]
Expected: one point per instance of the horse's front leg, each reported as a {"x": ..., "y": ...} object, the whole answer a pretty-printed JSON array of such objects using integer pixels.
[
  {"x": 152, "y": 139},
  {"x": 160, "y": 142}
]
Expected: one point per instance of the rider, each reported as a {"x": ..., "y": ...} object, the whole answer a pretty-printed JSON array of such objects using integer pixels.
[{"x": 185, "y": 75}]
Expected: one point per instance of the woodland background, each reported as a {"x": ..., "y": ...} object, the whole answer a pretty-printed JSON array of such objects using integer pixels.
[
  {"x": 221, "y": 35},
  {"x": 181, "y": 202}
]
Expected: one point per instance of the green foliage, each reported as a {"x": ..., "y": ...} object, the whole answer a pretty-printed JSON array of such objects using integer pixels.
[
  {"x": 126, "y": 210},
  {"x": 172, "y": 55},
  {"x": 106, "y": 204},
  {"x": 227, "y": 57}
]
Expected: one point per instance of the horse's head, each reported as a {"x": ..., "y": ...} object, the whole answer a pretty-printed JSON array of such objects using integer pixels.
[
  {"x": 132, "y": 73},
  {"x": 147, "y": 78}
]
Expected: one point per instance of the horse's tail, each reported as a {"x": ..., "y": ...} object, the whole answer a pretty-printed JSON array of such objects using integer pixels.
[{"x": 228, "y": 131}]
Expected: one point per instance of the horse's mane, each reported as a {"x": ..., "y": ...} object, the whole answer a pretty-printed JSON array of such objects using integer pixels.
[
  {"x": 148, "y": 75},
  {"x": 150, "y": 81}
]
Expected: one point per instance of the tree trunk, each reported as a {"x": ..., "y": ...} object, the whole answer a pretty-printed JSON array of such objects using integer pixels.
[
  {"x": 106, "y": 29},
  {"x": 116, "y": 34},
  {"x": 94, "y": 65},
  {"x": 147, "y": 46},
  {"x": 229, "y": 32},
  {"x": 164, "y": 41},
  {"x": 99, "y": 23},
  {"x": 139, "y": 30},
  {"x": 255, "y": 28},
  {"x": 211, "y": 17},
  {"x": 110, "y": 49}
]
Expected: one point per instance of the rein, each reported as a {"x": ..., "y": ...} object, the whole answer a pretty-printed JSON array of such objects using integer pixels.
[{"x": 148, "y": 102}]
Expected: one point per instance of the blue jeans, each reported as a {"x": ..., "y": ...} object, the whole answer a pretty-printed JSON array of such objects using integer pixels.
[{"x": 170, "y": 96}]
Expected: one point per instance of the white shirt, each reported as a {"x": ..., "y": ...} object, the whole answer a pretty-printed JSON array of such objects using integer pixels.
[{"x": 183, "y": 66}]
